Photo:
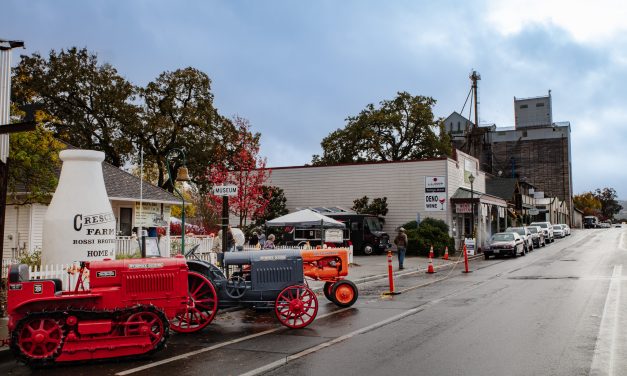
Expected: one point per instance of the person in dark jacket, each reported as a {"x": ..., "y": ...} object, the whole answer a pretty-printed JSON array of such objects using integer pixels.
[
  {"x": 401, "y": 244},
  {"x": 254, "y": 240}
]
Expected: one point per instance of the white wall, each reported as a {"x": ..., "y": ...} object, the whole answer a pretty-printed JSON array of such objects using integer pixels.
[
  {"x": 403, "y": 183},
  {"x": 38, "y": 212},
  {"x": 16, "y": 229}
]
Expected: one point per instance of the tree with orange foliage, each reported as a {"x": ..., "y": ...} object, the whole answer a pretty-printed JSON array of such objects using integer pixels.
[{"x": 246, "y": 170}]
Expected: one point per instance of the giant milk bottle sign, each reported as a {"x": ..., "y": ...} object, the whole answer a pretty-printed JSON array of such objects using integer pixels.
[{"x": 79, "y": 224}]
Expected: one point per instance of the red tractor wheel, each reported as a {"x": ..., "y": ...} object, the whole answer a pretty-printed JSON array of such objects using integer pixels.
[
  {"x": 202, "y": 305},
  {"x": 40, "y": 338},
  {"x": 328, "y": 290},
  {"x": 344, "y": 293},
  {"x": 296, "y": 306},
  {"x": 146, "y": 323}
]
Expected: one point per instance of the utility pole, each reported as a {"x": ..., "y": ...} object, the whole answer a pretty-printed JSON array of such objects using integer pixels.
[{"x": 474, "y": 77}]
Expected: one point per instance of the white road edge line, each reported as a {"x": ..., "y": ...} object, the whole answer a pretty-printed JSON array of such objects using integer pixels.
[
  {"x": 603, "y": 360},
  {"x": 217, "y": 346},
  {"x": 621, "y": 243}
]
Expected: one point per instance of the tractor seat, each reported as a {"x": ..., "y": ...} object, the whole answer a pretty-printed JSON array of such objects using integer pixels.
[{"x": 19, "y": 273}]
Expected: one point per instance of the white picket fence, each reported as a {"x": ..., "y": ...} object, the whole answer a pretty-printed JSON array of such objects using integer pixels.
[
  {"x": 128, "y": 245},
  {"x": 67, "y": 273}
]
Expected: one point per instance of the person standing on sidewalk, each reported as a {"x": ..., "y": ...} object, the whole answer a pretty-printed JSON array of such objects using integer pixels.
[{"x": 401, "y": 245}]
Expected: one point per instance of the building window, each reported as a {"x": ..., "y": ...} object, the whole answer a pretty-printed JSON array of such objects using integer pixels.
[
  {"x": 523, "y": 106},
  {"x": 126, "y": 221},
  {"x": 459, "y": 126},
  {"x": 524, "y": 133},
  {"x": 540, "y": 104}
]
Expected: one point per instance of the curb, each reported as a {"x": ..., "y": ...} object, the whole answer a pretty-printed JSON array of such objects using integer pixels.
[{"x": 399, "y": 273}]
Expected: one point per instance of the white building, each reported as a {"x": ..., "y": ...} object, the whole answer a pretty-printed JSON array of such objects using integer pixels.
[
  {"x": 533, "y": 112},
  {"x": 436, "y": 188}
]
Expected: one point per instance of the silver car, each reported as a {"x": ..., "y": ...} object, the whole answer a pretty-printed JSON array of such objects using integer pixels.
[
  {"x": 558, "y": 231},
  {"x": 566, "y": 229},
  {"x": 547, "y": 228},
  {"x": 525, "y": 234},
  {"x": 504, "y": 243},
  {"x": 537, "y": 235}
]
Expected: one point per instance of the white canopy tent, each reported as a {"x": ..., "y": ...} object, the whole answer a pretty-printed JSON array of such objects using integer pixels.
[{"x": 305, "y": 218}]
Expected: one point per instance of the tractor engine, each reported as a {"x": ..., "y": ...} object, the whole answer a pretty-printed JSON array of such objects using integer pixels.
[
  {"x": 124, "y": 312},
  {"x": 325, "y": 264}
]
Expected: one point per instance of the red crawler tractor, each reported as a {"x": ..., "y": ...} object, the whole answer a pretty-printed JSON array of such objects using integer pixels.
[{"x": 125, "y": 312}]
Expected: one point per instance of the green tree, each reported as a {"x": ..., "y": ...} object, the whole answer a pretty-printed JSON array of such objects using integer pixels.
[
  {"x": 379, "y": 206},
  {"x": 33, "y": 165},
  {"x": 277, "y": 204},
  {"x": 403, "y": 128},
  {"x": 609, "y": 204},
  {"x": 90, "y": 105},
  {"x": 179, "y": 113},
  {"x": 588, "y": 203}
]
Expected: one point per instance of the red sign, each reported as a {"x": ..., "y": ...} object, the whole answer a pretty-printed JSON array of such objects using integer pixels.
[{"x": 463, "y": 208}]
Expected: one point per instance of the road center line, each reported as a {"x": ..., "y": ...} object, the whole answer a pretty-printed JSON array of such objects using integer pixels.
[
  {"x": 603, "y": 360},
  {"x": 217, "y": 346},
  {"x": 283, "y": 361}
]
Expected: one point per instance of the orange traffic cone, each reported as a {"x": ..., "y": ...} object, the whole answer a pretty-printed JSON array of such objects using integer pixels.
[
  {"x": 446, "y": 253},
  {"x": 431, "y": 252},
  {"x": 430, "y": 269}
]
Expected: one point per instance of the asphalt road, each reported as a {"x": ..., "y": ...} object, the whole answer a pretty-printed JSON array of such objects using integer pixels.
[{"x": 560, "y": 310}]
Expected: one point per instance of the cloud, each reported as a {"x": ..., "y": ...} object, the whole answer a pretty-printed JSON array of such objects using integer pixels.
[{"x": 587, "y": 21}]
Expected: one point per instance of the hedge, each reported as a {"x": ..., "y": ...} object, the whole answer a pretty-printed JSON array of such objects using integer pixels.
[{"x": 430, "y": 232}]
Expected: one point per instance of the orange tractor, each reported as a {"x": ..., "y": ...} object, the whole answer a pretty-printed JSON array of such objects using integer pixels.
[{"x": 331, "y": 265}]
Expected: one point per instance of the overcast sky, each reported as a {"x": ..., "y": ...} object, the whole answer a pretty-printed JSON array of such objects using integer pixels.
[{"x": 297, "y": 69}]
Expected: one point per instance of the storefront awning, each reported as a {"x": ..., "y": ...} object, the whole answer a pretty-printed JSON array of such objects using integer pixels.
[{"x": 464, "y": 195}]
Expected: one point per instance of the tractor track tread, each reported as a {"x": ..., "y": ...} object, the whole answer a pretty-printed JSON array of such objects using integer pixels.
[{"x": 85, "y": 314}]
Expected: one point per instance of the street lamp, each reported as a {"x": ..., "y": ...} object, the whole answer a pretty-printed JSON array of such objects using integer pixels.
[
  {"x": 181, "y": 175},
  {"x": 471, "y": 179}
]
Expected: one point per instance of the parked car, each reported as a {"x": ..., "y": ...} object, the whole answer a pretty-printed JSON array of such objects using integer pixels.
[
  {"x": 537, "y": 235},
  {"x": 604, "y": 225},
  {"x": 547, "y": 228},
  {"x": 504, "y": 243},
  {"x": 566, "y": 229},
  {"x": 525, "y": 234},
  {"x": 619, "y": 225},
  {"x": 558, "y": 231}
]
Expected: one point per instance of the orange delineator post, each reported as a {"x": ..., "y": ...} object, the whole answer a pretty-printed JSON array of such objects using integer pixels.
[
  {"x": 431, "y": 252},
  {"x": 445, "y": 254},
  {"x": 465, "y": 260},
  {"x": 390, "y": 272}
]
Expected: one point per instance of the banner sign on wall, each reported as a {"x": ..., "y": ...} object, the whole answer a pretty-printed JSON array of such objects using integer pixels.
[
  {"x": 148, "y": 214},
  {"x": 435, "y": 193}
]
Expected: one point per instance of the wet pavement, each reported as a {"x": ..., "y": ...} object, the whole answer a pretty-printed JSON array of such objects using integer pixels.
[{"x": 234, "y": 335}]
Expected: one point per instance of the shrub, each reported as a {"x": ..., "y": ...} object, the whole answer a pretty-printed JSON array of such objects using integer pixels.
[
  {"x": 31, "y": 258},
  {"x": 430, "y": 232}
]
